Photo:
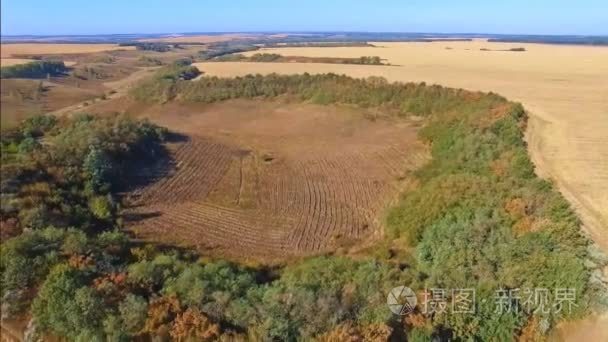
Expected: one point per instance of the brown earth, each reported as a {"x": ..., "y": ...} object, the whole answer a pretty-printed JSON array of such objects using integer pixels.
[
  {"x": 269, "y": 180},
  {"x": 21, "y": 98}
]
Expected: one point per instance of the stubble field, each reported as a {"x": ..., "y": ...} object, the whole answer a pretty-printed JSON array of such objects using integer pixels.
[{"x": 563, "y": 87}]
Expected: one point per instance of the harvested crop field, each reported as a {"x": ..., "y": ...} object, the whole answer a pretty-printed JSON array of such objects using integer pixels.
[
  {"x": 14, "y": 50},
  {"x": 273, "y": 180},
  {"x": 564, "y": 87},
  {"x": 14, "y": 61}
]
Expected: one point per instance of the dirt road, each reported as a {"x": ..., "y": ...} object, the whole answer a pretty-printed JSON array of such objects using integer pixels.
[{"x": 117, "y": 89}]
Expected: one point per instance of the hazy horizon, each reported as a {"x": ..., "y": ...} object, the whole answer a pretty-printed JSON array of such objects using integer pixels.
[
  {"x": 298, "y": 32},
  {"x": 519, "y": 17}
]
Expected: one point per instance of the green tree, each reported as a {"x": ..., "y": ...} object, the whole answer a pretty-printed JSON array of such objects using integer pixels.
[
  {"x": 133, "y": 312},
  {"x": 98, "y": 167},
  {"x": 66, "y": 306},
  {"x": 102, "y": 207}
]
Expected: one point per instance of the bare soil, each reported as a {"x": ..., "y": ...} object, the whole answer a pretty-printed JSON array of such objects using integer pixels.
[
  {"x": 269, "y": 180},
  {"x": 21, "y": 98}
]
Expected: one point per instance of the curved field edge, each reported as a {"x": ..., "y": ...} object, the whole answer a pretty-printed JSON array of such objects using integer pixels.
[{"x": 477, "y": 217}]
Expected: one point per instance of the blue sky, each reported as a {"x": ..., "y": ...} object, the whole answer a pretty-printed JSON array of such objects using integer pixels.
[{"x": 447, "y": 16}]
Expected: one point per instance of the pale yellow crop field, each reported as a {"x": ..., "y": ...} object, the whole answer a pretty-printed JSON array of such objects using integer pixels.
[
  {"x": 9, "y": 50},
  {"x": 14, "y": 61},
  {"x": 565, "y": 88}
]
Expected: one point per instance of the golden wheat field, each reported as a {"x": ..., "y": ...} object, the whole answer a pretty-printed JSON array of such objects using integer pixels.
[
  {"x": 565, "y": 89},
  {"x": 10, "y": 50}
]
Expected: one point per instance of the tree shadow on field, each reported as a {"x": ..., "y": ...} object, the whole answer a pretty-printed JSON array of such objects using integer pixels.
[
  {"x": 146, "y": 170},
  {"x": 138, "y": 217}
]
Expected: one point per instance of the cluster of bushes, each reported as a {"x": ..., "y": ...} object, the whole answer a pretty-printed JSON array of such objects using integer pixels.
[
  {"x": 178, "y": 72},
  {"x": 37, "y": 69},
  {"x": 235, "y": 57},
  {"x": 374, "y": 60},
  {"x": 92, "y": 72},
  {"x": 264, "y": 57},
  {"x": 65, "y": 173},
  {"x": 163, "y": 85},
  {"x": 149, "y": 46},
  {"x": 222, "y": 49},
  {"x": 477, "y": 217},
  {"x": 101, "y": 59},
  {"x": 149, "y": 61}
]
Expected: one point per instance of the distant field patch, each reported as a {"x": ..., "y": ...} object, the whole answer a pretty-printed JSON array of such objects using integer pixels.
[
  {"x": 201, "y": 38},
  {"x": 13, "y": 50}
]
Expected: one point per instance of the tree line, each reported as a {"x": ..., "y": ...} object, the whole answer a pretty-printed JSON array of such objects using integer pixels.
[
  {"x": 148, "y": 46},
  {"x": 274, "y": 57},
  {"x": 222, "y": 49},
  {"x": 36, "y": 69}
]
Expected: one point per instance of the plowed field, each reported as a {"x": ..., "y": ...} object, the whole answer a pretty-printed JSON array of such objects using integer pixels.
[{"x": 257, "y": 179}]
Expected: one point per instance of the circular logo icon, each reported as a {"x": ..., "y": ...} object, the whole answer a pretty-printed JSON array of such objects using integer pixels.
[{"x": 401, "y": 300}]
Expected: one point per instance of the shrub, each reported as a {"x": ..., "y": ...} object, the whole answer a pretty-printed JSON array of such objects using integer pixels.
[{"x": 265, "y": 57}]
